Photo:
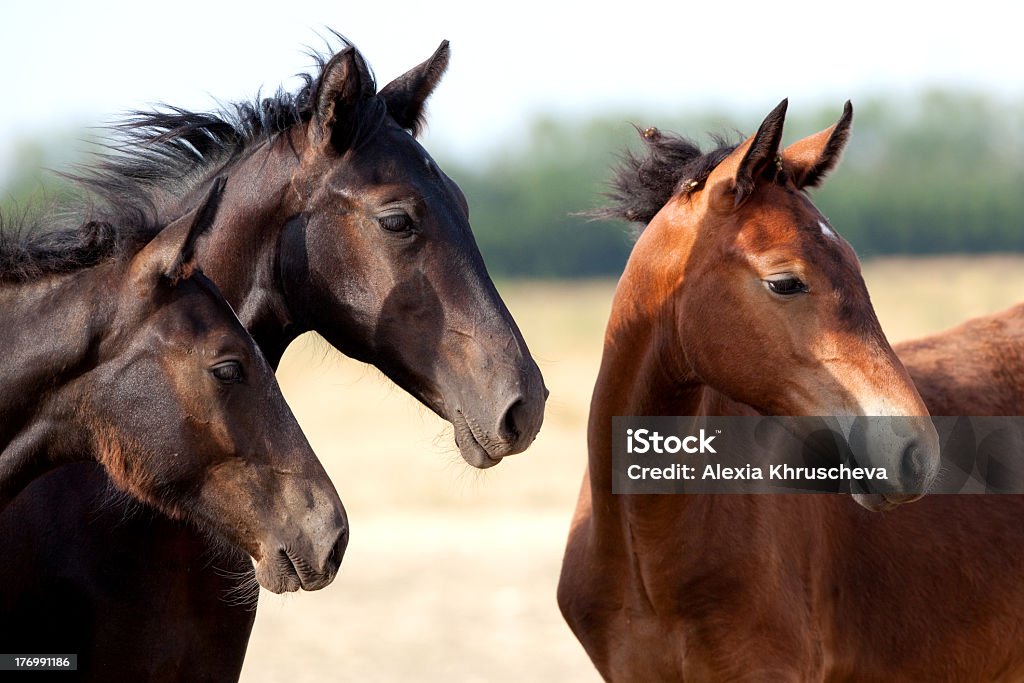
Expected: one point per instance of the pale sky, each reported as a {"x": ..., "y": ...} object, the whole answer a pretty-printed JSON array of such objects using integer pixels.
[{"x": 71, "y": 63}]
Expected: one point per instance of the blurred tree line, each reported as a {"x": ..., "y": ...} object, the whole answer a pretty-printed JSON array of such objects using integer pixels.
[{"x": 936, "y": 172}]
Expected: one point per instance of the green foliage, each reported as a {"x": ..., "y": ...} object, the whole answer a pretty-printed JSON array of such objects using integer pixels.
[
  {"x": 938, "y": 172},
  {"x": 30, "y": 188},
  {"x": 935, "y": 173},
  {"x": 525, "y": 204}
]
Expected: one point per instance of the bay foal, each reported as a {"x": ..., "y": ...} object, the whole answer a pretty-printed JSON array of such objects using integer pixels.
[{"x": 739, "y": 295}]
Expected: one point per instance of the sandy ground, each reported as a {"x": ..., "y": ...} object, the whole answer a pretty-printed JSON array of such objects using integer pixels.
[
  {"x": 451, "y": 572},
  {"x": 429, "y": 597}
]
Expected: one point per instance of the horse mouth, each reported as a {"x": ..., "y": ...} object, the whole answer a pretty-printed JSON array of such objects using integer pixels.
[
  {"x": 285, "y": 574},
  {"x": 471, "y": 444}
]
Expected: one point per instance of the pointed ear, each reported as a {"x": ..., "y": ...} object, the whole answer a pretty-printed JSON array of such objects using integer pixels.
[
  {"x": 184, "y": 264},
  {"x": 406, "y": 95},
  {"x": 345, "y": 83},
  {"x": 738, "y": 173},
  {"x": 810, "y": 160},
  {"x": 170, "y": 256}
]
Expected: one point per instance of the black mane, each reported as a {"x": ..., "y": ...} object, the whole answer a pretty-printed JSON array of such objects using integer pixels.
[
  {"x": 167, "y": 152},
  {"x": 27, "y": 254},
  {"x": 643, "y": 183},
  {"x": 154, "y": 157}
]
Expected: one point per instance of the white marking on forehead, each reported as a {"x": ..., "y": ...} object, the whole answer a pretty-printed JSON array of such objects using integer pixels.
[{"x": 827, "y": 231}]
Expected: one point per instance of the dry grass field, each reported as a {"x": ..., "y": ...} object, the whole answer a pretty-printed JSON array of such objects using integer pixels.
[{"x": 451, "y": 572}]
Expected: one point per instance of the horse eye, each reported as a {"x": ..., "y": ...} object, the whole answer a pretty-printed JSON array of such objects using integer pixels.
[
  {"x": 395, "y": 222},
  {"x": 228, "y": 372},
  {"x": 787, "y": 286}
]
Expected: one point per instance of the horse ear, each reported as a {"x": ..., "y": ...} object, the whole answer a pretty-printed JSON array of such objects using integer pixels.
[
  {"x": 344, "y": 83},
  {"x": 810, "y": 160},
  {"x": 171, "y": 254},
  {"x": 406, "y": 95},
  {"x": 738, "y": 173},
  {"x": 184, "y": 264}
]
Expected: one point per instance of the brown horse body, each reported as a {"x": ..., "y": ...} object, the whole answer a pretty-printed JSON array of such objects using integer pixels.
[
  {"x": 781, "y": 587},
  {"x": 976, "y": 368}
]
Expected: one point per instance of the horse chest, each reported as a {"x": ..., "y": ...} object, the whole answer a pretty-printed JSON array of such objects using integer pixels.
[{"x": 681, "y": 615}]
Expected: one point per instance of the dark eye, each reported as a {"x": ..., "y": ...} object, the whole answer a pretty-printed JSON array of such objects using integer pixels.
[
  {"x": 228, "y": 372},
  {"x": 395, "y": 222},
  {"x": 787, "y": 286}
]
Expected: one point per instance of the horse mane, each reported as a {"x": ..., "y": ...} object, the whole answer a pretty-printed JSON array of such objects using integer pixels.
[
  {"x": 167, "y": 152},
  {"x": 154, "y": 156},
  {"x": 670, "y": 165},
  {"x": 27, "y": 253}
]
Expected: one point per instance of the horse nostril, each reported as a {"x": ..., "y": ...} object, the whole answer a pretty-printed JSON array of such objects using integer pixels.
[
  {"x": 337, "y": 550},
  {"x": 915, "y": 468},
  {"x": 510, "y": 428}
]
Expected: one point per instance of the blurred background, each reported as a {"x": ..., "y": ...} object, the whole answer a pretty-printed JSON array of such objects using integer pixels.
[{"x": 451, "y": 573}]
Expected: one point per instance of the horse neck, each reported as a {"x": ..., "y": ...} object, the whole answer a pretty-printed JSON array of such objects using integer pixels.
[
  {"x": 240, "y": 254},
  {"x": 643, "y": 372},
  {"x": 652, "y": 544},
  {"x": 51, "y": 334}
]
